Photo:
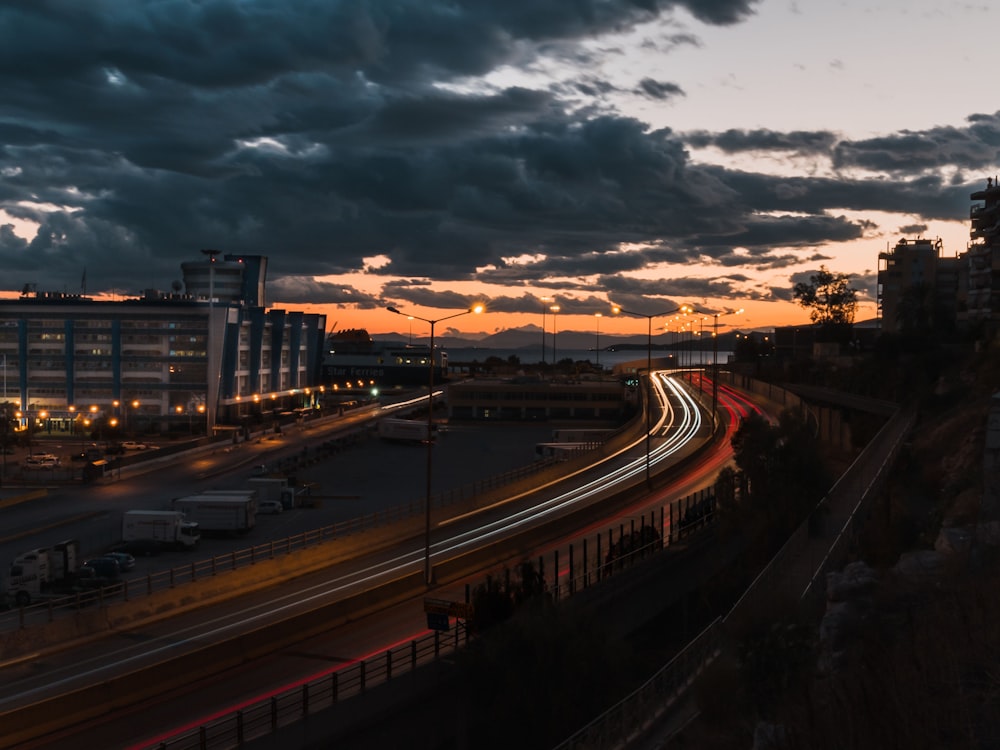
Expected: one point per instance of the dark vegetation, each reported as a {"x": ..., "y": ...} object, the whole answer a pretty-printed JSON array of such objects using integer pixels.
[{"x": 923, "y": 666}]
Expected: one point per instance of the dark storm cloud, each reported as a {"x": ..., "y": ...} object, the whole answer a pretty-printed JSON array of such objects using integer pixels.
[
  {"x": 306, "y": 290},
  {"x": 659, "y": 89},
  {"x": 322, "y": 134},
  {"x": 974, "y": 147},
  {"x": 736, "y": 141},
  {"x": 912, "y": 230}
]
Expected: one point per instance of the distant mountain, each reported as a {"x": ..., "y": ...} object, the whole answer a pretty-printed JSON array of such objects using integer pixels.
[{"x": 529, "y": 339}]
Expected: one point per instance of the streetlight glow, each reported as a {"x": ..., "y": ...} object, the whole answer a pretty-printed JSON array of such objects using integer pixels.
[
  {"x": 555, "y": 311},
  {"x": 597, "y": 317},
  {"x": 474, "y": 309},
  {"x": 544, "y": 307}
]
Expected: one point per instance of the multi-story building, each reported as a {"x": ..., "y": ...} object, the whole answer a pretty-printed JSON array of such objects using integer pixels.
[
  {"x": 982, "y": 296},
  {"x": 915, "y": 278},
  {"x": 915, "y": 274},
  {"x": 207, "y": 353}
]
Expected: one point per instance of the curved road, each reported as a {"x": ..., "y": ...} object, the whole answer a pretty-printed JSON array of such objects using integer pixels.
[{"x": 679, "y": 424}]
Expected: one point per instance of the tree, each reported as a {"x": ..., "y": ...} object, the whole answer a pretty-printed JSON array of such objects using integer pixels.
[
  {"x": 781, "y": 473},
  {"x": 830, "y": 298}
]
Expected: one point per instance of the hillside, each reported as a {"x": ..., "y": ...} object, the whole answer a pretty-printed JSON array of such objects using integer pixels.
[{"x": 908, "y": 653}]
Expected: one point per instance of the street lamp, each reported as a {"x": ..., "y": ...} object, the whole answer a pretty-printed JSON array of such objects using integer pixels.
[
  {"x": 428, "y": 576},
  {"x": 544, "y": 300},
  {"x": 130, "y": 418},
  {"x": 597, "y": 317},
  {"x": 555, "y": 311},
  {"x": 649, "y": 368},
  {"x": 715, "y": 358}
]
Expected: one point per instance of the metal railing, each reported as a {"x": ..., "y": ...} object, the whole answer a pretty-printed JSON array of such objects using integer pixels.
[{"x": 270, "y": 713}]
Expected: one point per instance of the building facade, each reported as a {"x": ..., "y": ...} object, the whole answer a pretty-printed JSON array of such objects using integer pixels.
[
  {"x": 208, "y": 355},
  {"x": 915, "y": 280},
  {"x": 918, "y": 285}
]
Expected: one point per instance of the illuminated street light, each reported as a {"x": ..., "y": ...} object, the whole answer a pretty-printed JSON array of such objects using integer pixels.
[
  {"x": 428, "y": 576},
  {"x": 544, "y": 308},
  {"x": 597, "y": 317},
  {"x": 555, "y": 311},
  {"x": 649, "y": 368},
  {"x": 715, "y": 357}
]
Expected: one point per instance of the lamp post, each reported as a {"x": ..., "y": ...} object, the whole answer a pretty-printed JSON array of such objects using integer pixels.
[
  {"x": 555, "y": 311},
  {"x": 544, "y": 306},
  {"x": 597, "y": 317},
  {"x": 715, "y": 357},
  {"x": 428, "y": 575},
  {"x": 131, "y": 420},
  {"x": 649, "y": 369}
]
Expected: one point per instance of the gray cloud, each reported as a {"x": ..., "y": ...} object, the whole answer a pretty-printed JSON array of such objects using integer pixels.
[
  {"x": 321, "y": 134},
  {"x": 659, "y": 89}
]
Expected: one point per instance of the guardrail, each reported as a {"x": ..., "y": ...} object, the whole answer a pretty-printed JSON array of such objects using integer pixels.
[{"x": 289, "y": 706}]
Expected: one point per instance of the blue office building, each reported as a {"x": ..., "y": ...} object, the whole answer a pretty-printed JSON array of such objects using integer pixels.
[{"x": 208, "y": 353}]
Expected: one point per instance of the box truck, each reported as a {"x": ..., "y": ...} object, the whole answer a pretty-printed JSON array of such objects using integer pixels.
[
  {"x": 148, "y": 531},
  {"x": 220, "y": 512},
  {"x": 402, "y": 430},
  {"x": 273, "y": 488}
]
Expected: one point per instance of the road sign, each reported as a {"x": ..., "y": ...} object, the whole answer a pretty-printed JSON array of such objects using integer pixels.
[{"x": 438, "y": 621}]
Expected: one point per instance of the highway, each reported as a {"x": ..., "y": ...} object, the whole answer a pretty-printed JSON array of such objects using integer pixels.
[{"x": 679, "y": 423}]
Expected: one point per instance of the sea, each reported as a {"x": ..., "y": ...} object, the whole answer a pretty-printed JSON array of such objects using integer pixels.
[{"x": 606, "y": 358}]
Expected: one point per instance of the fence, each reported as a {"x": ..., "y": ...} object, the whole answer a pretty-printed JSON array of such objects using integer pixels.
[{"x": 295, "y": 704}]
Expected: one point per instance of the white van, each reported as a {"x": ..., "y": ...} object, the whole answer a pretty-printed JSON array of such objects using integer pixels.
[{"x": 270, "y": 506}]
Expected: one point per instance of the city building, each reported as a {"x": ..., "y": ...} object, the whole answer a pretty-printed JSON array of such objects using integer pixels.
[
  {"x": 207, "y": 354},
  {"x": 919, "y": 286},
  {"x": 982, "y": 296},
  {"x": 916, "y": 280}
]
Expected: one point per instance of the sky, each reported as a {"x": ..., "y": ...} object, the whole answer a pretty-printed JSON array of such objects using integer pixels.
[{"x": 430, "y": 155}]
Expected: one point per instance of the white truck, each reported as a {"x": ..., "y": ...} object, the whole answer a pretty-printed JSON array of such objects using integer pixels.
[
  {"x": 273, "y": 488},
  {"x": 402, "y": 430},
  {"x": 44, "y": 573},
  {"x": 220, "y": 511},
  {"x": 147, "y": 531}
]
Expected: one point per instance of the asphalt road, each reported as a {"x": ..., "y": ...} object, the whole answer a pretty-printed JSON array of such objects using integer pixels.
[{"x": 369, "y": 476}]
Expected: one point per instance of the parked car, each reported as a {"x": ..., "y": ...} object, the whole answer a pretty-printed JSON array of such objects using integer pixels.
[
  {"x": 270, "y": 506},
  {"x": 105, "y": 567},
  {"x": 132, "y": 445},
  {"x": 42, "y": 461},
  {"x": 125, "y": 560}
]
